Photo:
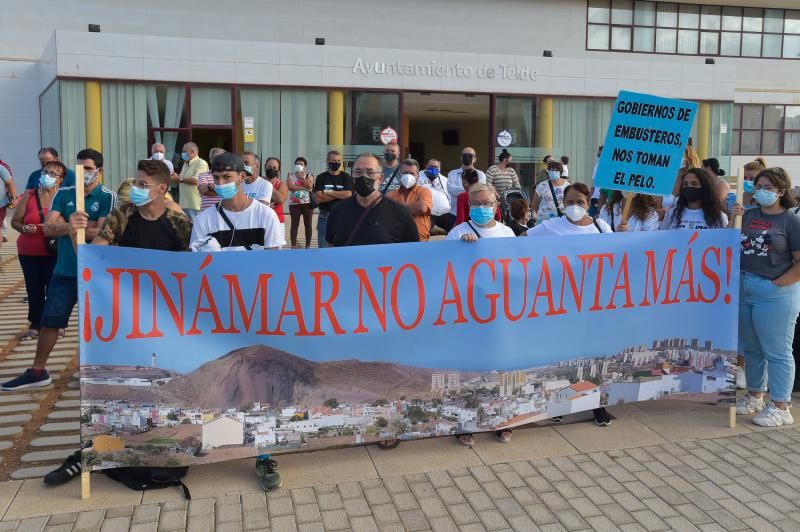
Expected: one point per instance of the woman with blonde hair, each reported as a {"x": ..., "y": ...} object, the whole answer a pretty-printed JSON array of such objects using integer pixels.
[
  {"x": 751, "y": 170},
  {"x": 769, "y": 300}
]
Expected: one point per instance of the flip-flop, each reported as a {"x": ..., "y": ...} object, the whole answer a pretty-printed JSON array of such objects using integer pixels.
[
  {"x": 62, "y": 333},
  {"x": 30, "y": 334}
]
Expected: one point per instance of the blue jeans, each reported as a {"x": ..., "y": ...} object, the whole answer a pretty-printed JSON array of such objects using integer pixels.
[
  {"x": 767, "y": 315},
  {"x": 62, "y": 296},
  {"x": 322, "y": 226}
]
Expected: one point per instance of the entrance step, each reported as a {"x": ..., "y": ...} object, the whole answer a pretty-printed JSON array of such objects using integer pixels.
[
  {"x": 56, "y": 441},
  {"x": 64, "y": 414},
  {"x": 43, "y": 456},
  {"x": 65, "y": 426}
]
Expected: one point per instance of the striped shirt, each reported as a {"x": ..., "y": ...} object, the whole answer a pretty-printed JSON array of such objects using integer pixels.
[
  {"x": 502, "y": 180},
  {"x": 207, "y": 178}
]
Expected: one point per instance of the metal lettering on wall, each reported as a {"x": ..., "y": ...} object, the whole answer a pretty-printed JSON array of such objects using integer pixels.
[{"x": 434, "y": 69}]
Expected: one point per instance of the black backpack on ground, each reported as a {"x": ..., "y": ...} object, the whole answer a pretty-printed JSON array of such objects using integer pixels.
[{"x": 150, "y": 478}]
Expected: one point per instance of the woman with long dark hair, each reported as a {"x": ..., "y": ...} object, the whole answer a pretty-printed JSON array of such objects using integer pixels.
[
  {"x": 698, "y": 205},
  {"x": 769, "y": 298}
]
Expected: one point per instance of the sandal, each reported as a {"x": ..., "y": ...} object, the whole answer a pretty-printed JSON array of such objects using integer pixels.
[
  {"x": 503, "y": 436},
  {"x": 30, "y": 334},
  {"x": 467, "y": 440},
  {"x": 62, "y": 333}
]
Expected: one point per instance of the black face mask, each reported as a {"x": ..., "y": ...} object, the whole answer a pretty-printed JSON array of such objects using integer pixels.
[
  {"x": 466, "y": 159},
  {"x": 333, "y": 167},
  {"x": 270, "y": 173},
  {"x": 389, "y": 156},
  {"x": 364, "y": 186},
  {"x": 691, "y": 194}
]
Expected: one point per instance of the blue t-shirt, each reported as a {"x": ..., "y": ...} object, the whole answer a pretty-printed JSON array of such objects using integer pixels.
[
  {"x": 98, "y": 203},
  {"x": 33, "y": 179}
]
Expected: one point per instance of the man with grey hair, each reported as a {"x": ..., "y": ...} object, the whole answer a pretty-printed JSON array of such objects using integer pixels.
[
  {"x": 193, "y": 166},
  {"x": 158, "y": 152},
  {"x": 368, "y": 217},
  {"x": 416, "y": 199}
]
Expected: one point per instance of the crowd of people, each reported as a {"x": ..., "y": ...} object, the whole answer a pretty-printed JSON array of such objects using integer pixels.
[{"x": 226, "y": 204}]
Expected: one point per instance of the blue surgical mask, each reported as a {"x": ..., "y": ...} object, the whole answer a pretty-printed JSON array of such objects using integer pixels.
[
  {"x": 481, "y": 215},
  {"x": 46, "y": 180},
  {"x": 432, "y": 172},
  {"x": 749, "y": 186},
  {"x": 140, "y": 196},
  {"x": 554, "y": 174},
  {"x": 226, "y": 191},
  {"x": 765, "y": 198},
  {"x": 185, "y": 156}
]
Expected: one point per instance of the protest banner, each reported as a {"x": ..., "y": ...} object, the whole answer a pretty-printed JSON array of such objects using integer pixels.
[
  {"x": 190, "y": 358},
  {"x": 644, "y": 144}
]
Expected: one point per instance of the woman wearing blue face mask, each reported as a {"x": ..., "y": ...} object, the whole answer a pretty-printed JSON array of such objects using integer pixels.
[
  {"x": 548, "y": 199},
  {"x": 769, "y": 298},
  {"x": 36, "y": 257}
]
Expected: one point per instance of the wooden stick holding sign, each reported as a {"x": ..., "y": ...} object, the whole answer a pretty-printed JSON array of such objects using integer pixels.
[
  {"x": 626, "y": 209},
  {"x": 737, "y": 223},
  {"x": 80, "y": 239}
]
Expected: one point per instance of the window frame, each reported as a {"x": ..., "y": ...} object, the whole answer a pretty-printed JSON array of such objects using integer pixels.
[
  {"x": 782, "y": 130},
  {"x": 701, "y": 8}
]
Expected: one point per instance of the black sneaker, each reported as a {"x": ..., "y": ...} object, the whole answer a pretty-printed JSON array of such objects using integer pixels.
[
  {"x": 71, "y": 468},
  {"x": 601, "y": 417},
  {"x": 27, "y": 380},
  {"x": 266, "y": 468},
  {"x": 557, "y": 419}
]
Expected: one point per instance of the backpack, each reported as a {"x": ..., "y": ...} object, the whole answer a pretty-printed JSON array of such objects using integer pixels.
[{"x": 150, "y": 478}]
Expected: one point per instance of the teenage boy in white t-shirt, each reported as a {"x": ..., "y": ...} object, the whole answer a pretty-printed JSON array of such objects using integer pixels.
[
  {"x": 255, "y": 187},
  {"x": 237, "y": 222}
]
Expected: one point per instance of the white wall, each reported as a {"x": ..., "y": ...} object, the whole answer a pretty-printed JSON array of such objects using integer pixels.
[{"x": 19, "y": 117}]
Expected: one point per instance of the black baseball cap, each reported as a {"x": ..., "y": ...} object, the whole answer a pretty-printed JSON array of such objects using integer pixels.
[{"x": 227, "y": 162}]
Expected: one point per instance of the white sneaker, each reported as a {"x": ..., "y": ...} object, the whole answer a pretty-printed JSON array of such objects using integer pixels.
[
  {"x": 747, "y": 404},
  {"x": 772, "y": 416},
  {"x": 741, "y": 382}
]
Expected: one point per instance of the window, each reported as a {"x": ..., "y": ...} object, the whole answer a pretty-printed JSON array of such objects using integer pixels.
[
  {"x": 766, "y": 129},
  {"x": 692, "y": 29}
]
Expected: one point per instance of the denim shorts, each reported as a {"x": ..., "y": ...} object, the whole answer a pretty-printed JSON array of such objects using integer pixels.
[{"x": 62, "y": 295}]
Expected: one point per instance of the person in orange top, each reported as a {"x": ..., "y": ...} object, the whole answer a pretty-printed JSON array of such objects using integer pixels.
[{"x": 418, "y": 200}]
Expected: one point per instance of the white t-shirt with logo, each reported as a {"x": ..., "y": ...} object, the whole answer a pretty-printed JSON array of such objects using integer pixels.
[
  {"x": 438, "y": 188},
  {"x": 497, "y": 231},
  {"x": 690, "y": 219},
  {"x": 255, "y": 216},
  {"x": 547, "y": 204},
  {"x": 259, "y": 190},
  {"x": 562, "y": 226}
]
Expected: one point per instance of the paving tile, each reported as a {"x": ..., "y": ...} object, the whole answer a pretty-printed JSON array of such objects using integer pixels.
[
  {"x": 626, "y": 433},
  {"x": 422, "y": 456},
  {"x": 527, "y": 444}
]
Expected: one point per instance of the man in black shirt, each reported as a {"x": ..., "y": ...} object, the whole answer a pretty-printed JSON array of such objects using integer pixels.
[
  {"x": 368, "y": 217},
  {"x": 146, "y": 222},
  {"x": 330, "y": 188}
]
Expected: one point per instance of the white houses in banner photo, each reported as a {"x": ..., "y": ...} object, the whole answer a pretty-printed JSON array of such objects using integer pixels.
[{"x": 222, "y": 431}]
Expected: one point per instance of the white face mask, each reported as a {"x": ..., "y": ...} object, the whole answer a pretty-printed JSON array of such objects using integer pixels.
[
  {"x": 157, "y": 156},
  {"x": 575, "y": 213},
  {"x": 298, "y": 168},
  {"x": 408, "y": 180}
]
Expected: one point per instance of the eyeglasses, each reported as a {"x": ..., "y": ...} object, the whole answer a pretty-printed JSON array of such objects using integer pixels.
[
  {"x": 367, "y": 173},
  {"x": 482, "y": 204},
  {"x": 144, "y": 184},
  {"x": 768, "y": 188}
]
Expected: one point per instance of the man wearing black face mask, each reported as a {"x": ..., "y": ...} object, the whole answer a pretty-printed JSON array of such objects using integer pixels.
[
  {"x": 391, "y": 167},
  {"x": 368, "y": 217},
  {"x": 455, "y": 185},
  {"x": 330, "y": 188}
]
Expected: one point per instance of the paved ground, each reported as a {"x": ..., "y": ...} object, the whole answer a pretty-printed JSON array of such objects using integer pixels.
[{"x": 666, "y": 465}]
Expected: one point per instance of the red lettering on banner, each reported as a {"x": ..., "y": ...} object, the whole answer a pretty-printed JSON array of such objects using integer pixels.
[
  {"x": 544, "y": 277},
  {"x": 568, "y": 275},
  {"x": 599, "y": 279},
  {"x": 420, "y": 296},
  {"x": 507, "y": 288},
  {"x": 116, "y": 273},
  {"x": 657, "y": 287},
  {"x": 710, "y": 274},
  {"x": 320, "y": 305},
  {"x": 205, "y": 291},
  {"x": 260, "y": 293},
  {"x": 625, "y": 286},
  {"x": 492, "y": 298},
  {"x": 687, "y": 278},
  {"x": 450, "y": 280},
  {"x": 365, "y": 285},
  {"x": 296, "y": 310}
]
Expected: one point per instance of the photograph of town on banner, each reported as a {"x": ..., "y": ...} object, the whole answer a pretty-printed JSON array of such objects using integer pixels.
[{"x": 156, "y": 415}]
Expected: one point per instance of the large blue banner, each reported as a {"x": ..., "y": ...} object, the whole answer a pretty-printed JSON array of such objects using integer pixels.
[
  {"x": 644, "y": 143},
  {"x": 193, "y": 357}
]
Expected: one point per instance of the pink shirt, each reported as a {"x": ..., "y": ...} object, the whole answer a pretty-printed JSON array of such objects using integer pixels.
[{"x": 207, "y": 178}]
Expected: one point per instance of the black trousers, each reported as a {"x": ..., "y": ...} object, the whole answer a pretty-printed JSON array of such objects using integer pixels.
[{"x": 37, "y": 271}]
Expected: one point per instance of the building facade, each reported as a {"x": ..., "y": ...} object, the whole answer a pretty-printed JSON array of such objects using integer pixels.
[{"x": 535, "y": 77}]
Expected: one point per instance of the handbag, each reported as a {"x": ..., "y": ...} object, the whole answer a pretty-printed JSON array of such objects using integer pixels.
[{"x": 51, "y": 244}]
